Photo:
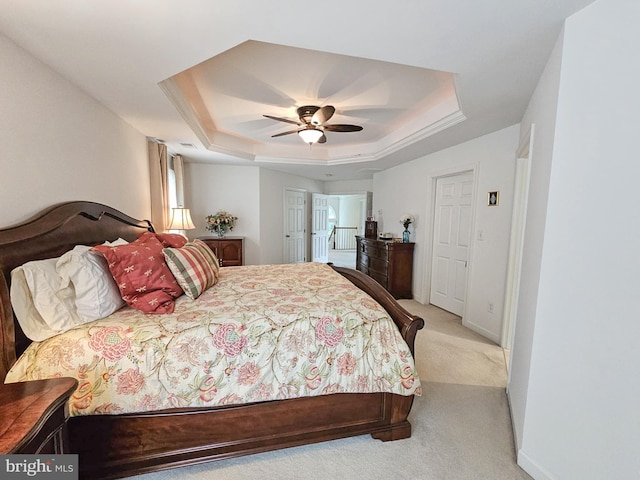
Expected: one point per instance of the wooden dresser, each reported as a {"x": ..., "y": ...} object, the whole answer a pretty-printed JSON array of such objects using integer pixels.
[
  {"x": 229, "y": 250},
  {"x": 389, "y": 263}
]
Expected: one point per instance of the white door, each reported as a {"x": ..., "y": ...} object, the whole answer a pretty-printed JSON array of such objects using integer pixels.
[
  {"x": 294, "y": 226},
  {"x": 319, "y": 228},
  {"x": 451, "y": 238}
]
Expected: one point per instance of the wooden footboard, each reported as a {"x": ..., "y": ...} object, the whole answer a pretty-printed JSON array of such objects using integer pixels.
[{"x": 124, "y": 445}]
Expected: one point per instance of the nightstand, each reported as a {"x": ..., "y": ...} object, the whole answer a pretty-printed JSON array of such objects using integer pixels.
[
  {"x": 229, "y": 250},
  {"x": 33, "y": 416}
]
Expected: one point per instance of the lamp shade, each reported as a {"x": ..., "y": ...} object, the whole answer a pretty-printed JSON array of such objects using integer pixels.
[
  {"x": 310, "y": 135},
  {"x": 181, "y": 219}
]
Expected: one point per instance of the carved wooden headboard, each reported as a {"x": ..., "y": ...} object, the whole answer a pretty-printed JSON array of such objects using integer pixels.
[{"x": 49, "y": 234}]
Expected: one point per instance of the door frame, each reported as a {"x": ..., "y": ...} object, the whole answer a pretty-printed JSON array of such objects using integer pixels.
[
  {"x": 432, "y": 179},
  {"x": 524, "y": 156}
]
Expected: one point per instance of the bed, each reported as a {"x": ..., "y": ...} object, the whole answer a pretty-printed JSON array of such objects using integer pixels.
[{"x": 122, "y": 442}]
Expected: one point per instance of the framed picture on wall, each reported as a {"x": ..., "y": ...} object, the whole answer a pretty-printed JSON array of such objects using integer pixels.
[{"x": 493, "y": 198}]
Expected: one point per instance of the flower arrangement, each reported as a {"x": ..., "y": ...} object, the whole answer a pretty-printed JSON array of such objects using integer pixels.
[
  {"x": 407, "y": 220},
  {"x": 221, "y": 222}
]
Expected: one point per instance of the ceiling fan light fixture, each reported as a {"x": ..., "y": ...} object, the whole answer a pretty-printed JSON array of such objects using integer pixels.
[
  {"x": 310, "y": 135},
  {"x": 312, "y": 124}
]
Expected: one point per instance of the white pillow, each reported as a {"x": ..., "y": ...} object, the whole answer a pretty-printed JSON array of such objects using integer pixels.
[
  {"x": 96, "y": 292},
  {"x": 43, "y": 307}
]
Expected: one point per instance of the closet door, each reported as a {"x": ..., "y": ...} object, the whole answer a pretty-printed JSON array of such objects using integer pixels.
[{"x": 451, "y": 239}]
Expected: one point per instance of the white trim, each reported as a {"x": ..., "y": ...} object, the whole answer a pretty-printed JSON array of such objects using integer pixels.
[
  {"x": 442, "y": 124},
  {"x": 524, "y": 156},
  {"x": 532, "y": 468},
  {"x": 237, "y": 147}
]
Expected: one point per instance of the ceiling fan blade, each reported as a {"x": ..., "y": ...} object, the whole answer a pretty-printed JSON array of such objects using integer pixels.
[
  {"x": 323, "y": 115},
  {"x": 323, "y": 139},
  {"x": 280, "y": 119},
  {"x": 342, "y": 128},
  {"x": 284, "y": 133}
]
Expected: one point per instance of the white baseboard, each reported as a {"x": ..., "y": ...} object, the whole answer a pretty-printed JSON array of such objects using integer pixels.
[
  {"x": 524, "y": 461},
  {"x": 532, "y": 468},
  {"x": 516, "y": 436},
  {"x": 494, "y": 337}
]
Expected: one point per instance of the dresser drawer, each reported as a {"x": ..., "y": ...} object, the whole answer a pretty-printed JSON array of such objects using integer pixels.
[
  {"x": 374, "y": 251},
  {"x": 378, "y": 277},
  {"x": 362, "y": 267},
  {"x": 378, "y": 265}
]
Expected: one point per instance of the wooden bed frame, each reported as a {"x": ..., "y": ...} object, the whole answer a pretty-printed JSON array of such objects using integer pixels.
[{"x": 116, "y": 446}]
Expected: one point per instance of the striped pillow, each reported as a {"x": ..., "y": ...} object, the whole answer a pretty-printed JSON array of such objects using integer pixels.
[
  {"x": 209, "y": 254},
  {"x": 194, "y": 266}
]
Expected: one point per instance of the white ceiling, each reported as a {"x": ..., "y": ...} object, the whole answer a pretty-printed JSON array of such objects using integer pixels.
[
  {"x": 224, "y": 100},
  {"x": 418, "y": 75}
]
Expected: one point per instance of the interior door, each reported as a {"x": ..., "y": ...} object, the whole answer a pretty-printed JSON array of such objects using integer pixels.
[
  {"x": 319, "y": 228},
  {"x": 295, "y": 218},
  {"x": 452, "y": 236}
]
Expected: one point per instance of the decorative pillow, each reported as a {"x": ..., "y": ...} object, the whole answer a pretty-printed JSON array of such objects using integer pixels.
[
  {"x": 96, "y": 292},
  {"x": 42, "y": 302},
  {"x": 168, "y": 240},
  {"x": 143, "y": 277},
  {"x": 209, "y": 254},
  {"x": 194, "y": 266}
]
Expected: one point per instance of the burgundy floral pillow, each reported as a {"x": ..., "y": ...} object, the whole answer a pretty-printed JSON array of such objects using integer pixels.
[
  {"x": 142, "y": 275},
  {"x": 168, "y": 240}
]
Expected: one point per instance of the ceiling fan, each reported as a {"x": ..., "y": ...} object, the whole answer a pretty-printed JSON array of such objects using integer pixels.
[{"x": 312, "y": 124}]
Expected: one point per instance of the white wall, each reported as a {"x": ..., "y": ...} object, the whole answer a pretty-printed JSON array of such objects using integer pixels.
[
  {"x": 236, "y": 189},
  {"x": 59, "y": 144},
  {"x": 540, "y": 112},
  {"x": 356, "y": 214},
  {"x": 255, "y": 195},
  {"x": 582, "y": 416},
  {"x": 271, "y": 208},
  {"x": 343, "y": 187},
  {"x": 408, "y": 189},
  {"x": 351, "y": 211}
]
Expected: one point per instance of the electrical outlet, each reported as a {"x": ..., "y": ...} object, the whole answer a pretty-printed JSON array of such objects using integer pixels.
[{"x": 490, "y": 307}]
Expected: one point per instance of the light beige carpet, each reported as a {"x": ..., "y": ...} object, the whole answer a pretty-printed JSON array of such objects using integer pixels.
[{"x": 461, "y": 424}]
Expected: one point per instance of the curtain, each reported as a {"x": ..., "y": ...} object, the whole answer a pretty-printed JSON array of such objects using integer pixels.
[
  {"x": 178, "y": 168},
  {"x": 158, "y": 173}
]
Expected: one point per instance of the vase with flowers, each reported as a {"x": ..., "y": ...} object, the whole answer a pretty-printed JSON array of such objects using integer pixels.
[
  {"x": 406, "y": 220},
  {"x": 221, "y": 222}
]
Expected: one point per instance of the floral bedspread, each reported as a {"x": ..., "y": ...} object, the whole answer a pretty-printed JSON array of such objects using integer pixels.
[{"x": 263, "y": 332}]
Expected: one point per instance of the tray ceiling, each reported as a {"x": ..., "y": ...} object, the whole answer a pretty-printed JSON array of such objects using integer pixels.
[{"x": 224, "y": 100}]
